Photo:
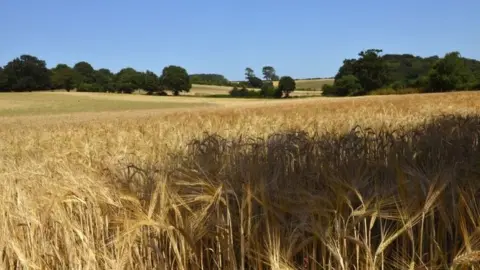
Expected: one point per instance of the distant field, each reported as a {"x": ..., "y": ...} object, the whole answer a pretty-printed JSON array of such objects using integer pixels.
[
  {"x": 304, "y": 88},
  {"x": 82, "y": 103},
  {"x": 311, "y": 85},
  {"x": 15, "y": 104}
]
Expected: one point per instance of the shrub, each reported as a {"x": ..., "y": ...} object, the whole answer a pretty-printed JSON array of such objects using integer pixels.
[
  {"x": 329, "y": 90},
  {"x": 255, "y": 82},
  {"x": 267, "y": 90},
  {"x": 236, "y": 92},
  {"x": 348, "y": 85}
]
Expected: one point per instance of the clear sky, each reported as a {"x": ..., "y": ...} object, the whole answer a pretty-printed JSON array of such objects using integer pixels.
[{"x": 302, "y": 38}]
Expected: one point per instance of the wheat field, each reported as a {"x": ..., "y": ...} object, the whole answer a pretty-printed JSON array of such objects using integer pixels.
[{"x": 243, "y": 184}]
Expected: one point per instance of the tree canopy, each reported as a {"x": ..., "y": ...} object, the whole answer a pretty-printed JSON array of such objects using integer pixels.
[
  {"x": 209, "y": 79},
  {"x": 249, "y": 73},
  {"x": 450, "y": 73},
  {"x": 151, "y": 82},
  {"x": 63, "y": 77},
  {"x": 176, "y": 79},
  {"x": 286, "y": 85},
  {"x": 269, "y": 73},
  {"x": 372, "y": 71},
  {"x": 128, "y": 80},
  {"x": 27, "y": 73},
  {"x": 369, "y": 72}
]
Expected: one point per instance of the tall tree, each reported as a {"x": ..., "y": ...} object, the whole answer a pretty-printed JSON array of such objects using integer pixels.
[
  {"x": 151, "y": 82},
  {"x": 85, "y": 73},
  {"x": 370, "y": 71},
  {"x": 63, "y": 77},
  {"x": 128, "y": 79},
  {"x": 105, "y": 80},
  {"x": 269, "y": 73},
  {"x": 249, "y": 73},
  {"x": 287, "y": 85},
  {"x": 176, "y": 79},
  {"x": 3, "y": 81},
  {"x": 255, "y": 82},
  {"x": 27, "y": 73},
  {"x": 450, "y": 73}
]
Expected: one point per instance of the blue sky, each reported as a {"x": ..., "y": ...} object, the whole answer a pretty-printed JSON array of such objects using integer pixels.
[{"x": 303, "y": 38}]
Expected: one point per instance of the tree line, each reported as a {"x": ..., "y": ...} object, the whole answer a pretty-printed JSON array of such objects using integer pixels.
[
  {"x": 286, "y": 84},
  {"x": 373, "y": 71},
  {"x": 28, "y": 73}
]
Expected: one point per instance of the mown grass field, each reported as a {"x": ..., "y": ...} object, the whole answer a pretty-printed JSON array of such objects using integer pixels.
[{"x": 134, "y": 182}]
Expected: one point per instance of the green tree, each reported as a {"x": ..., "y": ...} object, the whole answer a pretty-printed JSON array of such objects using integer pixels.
[
  {"x": 127, "y": 80},
  {"x": 249, "y": 73},
  {"x": 3, "y": 81},
  {"x": 267, "y": 90},
  {"x": 105, "y": 80},
  {"x": 27, "y": 73},
  {"x": 370, "y": 69},
  {"x": 151, "y": 82},
  {"x": 176, "y": 79},
  {"x": 348, "y": 85},
  {"x": 84, "y": 72},
  {"x": 209, "y": 79},
  {"x": 450, "y": 73},
  {"x": 63, "y": 77},
  {"x": 269, "y": 73},
  {"x": 287, "y": 85},
  {"x": 255, "y": 82}
]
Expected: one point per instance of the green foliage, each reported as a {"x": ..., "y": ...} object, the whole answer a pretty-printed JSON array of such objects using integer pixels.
[
  {"x": 407, "y": 69},
  {"x": 269, "y": 73},
  {"x": 128, "y": 80},
  {"x": 27, "y": 73},
  {"x": 349, "y": 85},
  {"x": 329, "y": 90},
  {"x": 239, "y": 92},
  {"x": 176, "y": 79},
  {"x": 286, "y": 85},
  {"x": 450, "y": 73},
  {"x": 249, "y": 73},
  {"x": 63, "y": 77},
  {"x": 243, "y": 92},
  {"x": 84, "y": 73},
  {"x": 209, "y": 79},
  {"x": 151, "y": 82},
  {"x": 105, "y": 79},
  {"x": 367, "y": 73},
  {"x": 90, "y": 87},
  {"x": 267, "y": 90},
  {"x": 3, "y": 81},
  {"x": 255, "y": 82}
]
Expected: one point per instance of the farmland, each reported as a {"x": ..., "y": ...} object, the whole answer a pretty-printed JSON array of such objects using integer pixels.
[
  {"x": 110, "y": 181},
  {"x": 311, "y": 84}
]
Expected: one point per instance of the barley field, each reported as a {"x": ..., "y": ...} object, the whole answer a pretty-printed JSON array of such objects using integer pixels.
[{"x": 138, "y": 182}]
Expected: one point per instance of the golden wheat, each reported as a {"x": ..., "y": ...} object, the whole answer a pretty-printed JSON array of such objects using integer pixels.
[{"x": 94, "y": 191}]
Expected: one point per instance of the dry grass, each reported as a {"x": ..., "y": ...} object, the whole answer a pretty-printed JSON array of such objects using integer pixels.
[{"x": 123, "y": 191}]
